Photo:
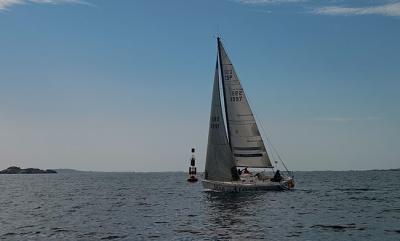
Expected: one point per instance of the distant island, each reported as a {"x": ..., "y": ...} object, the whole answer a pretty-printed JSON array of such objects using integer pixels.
[{"x": 18, "y": 170}]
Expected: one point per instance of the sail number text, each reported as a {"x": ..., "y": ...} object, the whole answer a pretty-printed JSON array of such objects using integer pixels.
[
  {"x": 214, "y": 122},
  {"x": 236, "y": 95},
  {"x": 228, "y": 74}
]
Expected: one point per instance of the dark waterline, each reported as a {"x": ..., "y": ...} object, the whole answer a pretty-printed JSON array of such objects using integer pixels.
[{"x": 354, "y": 205}]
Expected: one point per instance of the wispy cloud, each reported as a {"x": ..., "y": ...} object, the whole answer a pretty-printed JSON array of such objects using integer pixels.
[
  {"x": 348, "y": 119},
  {"x": 346, "y": 8},
  {"x": 269, "y": 1},
  {"x": 6, "y": 4},
  {"x": 389, "y": 9}
]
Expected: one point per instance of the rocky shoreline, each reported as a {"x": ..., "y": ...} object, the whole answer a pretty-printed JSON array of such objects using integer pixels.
[{"x": 18, "y": 170}]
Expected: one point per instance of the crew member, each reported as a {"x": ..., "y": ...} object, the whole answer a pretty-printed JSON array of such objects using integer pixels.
[{"x": 277, "y": 177}]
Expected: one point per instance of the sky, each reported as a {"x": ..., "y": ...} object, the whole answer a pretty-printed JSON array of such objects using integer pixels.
[{"x": 125, "y": 85}]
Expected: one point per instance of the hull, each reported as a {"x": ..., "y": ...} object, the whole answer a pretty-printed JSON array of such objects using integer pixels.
[{"x": 240, "y": 186}]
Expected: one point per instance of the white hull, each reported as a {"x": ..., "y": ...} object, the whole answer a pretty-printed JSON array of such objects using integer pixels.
[{"x": 240, "y": 186}]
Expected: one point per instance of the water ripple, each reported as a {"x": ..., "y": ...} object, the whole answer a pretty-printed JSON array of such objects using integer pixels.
[{"x": 163, "y": 206}]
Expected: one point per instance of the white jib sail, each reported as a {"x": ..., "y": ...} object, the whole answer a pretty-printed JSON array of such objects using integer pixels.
[
  {"x": 219, "y": 156},
  {"x": 247, "y": 145}
]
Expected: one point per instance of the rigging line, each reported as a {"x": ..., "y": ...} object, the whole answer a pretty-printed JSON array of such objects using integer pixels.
[
  {"x": 274, "y": 150},
  {"x": 262, "y": 127}
]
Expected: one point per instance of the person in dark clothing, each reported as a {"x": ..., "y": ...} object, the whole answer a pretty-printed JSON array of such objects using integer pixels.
[
  {"x": 277, "y": 177},
  {"x": 239, "y": 172}
]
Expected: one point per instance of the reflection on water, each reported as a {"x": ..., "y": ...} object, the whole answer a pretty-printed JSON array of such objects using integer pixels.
[
  {"x": 232, "y": 215},
  {"x": 238, "y": 204}
]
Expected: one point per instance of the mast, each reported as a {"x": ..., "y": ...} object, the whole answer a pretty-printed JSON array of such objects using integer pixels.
[{"x": 223, "y": 91}]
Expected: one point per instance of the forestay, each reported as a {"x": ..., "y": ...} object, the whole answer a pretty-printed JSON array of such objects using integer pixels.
[{"x": 245, "y": 139}]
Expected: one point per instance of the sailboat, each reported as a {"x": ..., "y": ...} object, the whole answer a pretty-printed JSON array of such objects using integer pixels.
[{"x": 238, "y": 143}]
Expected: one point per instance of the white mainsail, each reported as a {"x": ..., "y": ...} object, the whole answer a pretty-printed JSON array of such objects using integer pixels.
[
  {"x": 247, "y": 146},
  {"x": 219, "y": 161}
]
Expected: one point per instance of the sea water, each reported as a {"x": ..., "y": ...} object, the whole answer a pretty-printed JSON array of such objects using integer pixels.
[{"x": 351, "y": 205}]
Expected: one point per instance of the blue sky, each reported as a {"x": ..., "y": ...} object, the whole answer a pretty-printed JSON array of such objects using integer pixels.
[{"x": 125, "y": 85}]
